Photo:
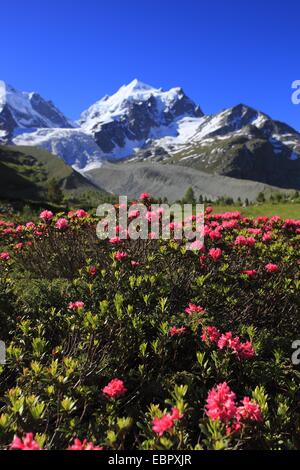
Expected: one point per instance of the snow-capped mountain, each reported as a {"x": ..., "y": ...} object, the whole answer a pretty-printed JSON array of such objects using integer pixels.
[
  {"x": 21, "y": 110},
  {"x": 240, "y": 142},
  {"x": 77, "y": 148},
  {"x": 134, "y": 115},
  {"x": 143, "y": 123}
]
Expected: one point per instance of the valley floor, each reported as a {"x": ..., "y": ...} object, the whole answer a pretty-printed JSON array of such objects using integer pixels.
[{"x": 284, "y": 210}]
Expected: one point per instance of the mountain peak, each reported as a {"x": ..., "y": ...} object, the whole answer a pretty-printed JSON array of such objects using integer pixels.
[
  {"x": 5, "y": 88},
  {"x": 23, "y": 110},
  {"x": 137, "y": 85}
]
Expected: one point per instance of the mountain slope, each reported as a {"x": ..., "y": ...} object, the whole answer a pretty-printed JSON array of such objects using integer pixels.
[
  {"x": 25, "y": 173},
  {"x": 135, "y": 114},
  {"x": 142, "y": 123},
  {"x": 172, "y": 181},
  {"x": 22, "y": 110},
  {"x": 77, "y": 148},
  {"x": 239, "y": 142}
]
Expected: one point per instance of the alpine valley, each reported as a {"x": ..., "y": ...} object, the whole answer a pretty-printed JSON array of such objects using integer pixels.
[{"x": 158, "y": 140}]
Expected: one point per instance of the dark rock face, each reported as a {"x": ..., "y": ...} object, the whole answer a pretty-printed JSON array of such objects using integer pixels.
[
  {"x": 257, "y": 161},
  {"x": 49, "y": 111},
  {"x": 7, "y": 122},
  {"x": 182, "y": 106},
  {"x": 110, "y": 134},
  {"x": 28, "y": 111},
  {"x": 140, "y": 118}
]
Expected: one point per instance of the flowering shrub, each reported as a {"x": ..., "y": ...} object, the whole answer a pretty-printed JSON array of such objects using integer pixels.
[{"x": 125, "y": 344}]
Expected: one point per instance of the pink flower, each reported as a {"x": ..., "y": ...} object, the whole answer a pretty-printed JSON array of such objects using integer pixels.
[
  {"x": 166, "y": 422},
  {"x": 249, "y": 272},
  {"x": 229, "y": 224},
  {"x": 210, "y": 333},
  {"x": 161, "y": 425},
  {"x": 271, "y": 268},
  {"x": 81, "y": 213},
  {"x": 245, "y": 350},
  {"x": 133, "y": 214},
  {"x": 249, "y": 410},
  {"x": 84, "y": 445},
  {"x": 227, "y": 340},
  {"x": 215, "y": 253},
  {"x": 241, "y": 240},
  {"x": 192, "y": 308},
  {"x": 76, "y": 305},
  {"x": 175, "y": 414},
  {"x": 92, "y": 271},
  {"x": 134, "y": 263},
  {"x": 177, "y": 331},
  {"x": 46, "y": 215},
  {"x": 275, "y": 219},
  {"x": 61, "y": 224},
  {"x": 30, "y": 225},
  {"x": 115, "y": 388},
  {"x": 27, "y": 443},
  {"x": 5, "y": 256},
  {"x": 115, "y": 240},
  {"x": 255, "y": 231},
  {"x": 262, "y": 218},
  {"x": 151, "y": 216},
  {"x": 196, "y": 245},
  {"x": 120, "y": 255},
  {"x": 215, "y": 235},
  {"x": 152, "y": 235},
  {"x": 267, "y": 237},
  {"x": 144, "y": 196},
  {"x": 220, "y": 403},
  {"x": 18, "y": 246},
  {"x": 202, "y": 260},
  {"x": 234, "y": 427}
]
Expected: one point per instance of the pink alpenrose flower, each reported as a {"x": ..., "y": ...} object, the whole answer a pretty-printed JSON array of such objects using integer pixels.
[
  {"x": 120, "y": 255},
  {"x": 166, "y": 422},
  {"x": 115, "y": 388},
  {"x": 61, "y": 224},
  {"x": 249, "y": 410},
  {"x": 250, "y": 272},
  {"x": 192, "y": 308},
  {"x": 84, "y": 445},
  {"x": 177, "y": 330},
  {"x": 210, "y": 333},
  {"x": 215, "y": 253},
  {"x": 92, "y": 271},
  {"x": 220, "y": 403},
  {"x": 27, "y": 443},
  {"x": 80, "y": 213},
  {"x": 144, "y": 196},
  {"x": 46, "y": 215},
  {"x": 271, "y": 268},
  {"x": 76, "y": 305}
]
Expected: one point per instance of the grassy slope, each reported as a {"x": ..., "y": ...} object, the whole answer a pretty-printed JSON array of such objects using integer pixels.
[
  {"x": 25, "y": 173},
  {"x": 284, "y": 210}
]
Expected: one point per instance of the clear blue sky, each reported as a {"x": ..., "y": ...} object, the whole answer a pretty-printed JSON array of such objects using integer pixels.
[{"x": 222, "y": 52}]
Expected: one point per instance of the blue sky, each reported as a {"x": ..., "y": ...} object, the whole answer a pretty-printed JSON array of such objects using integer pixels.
[{"x": 222, "y": 52}]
